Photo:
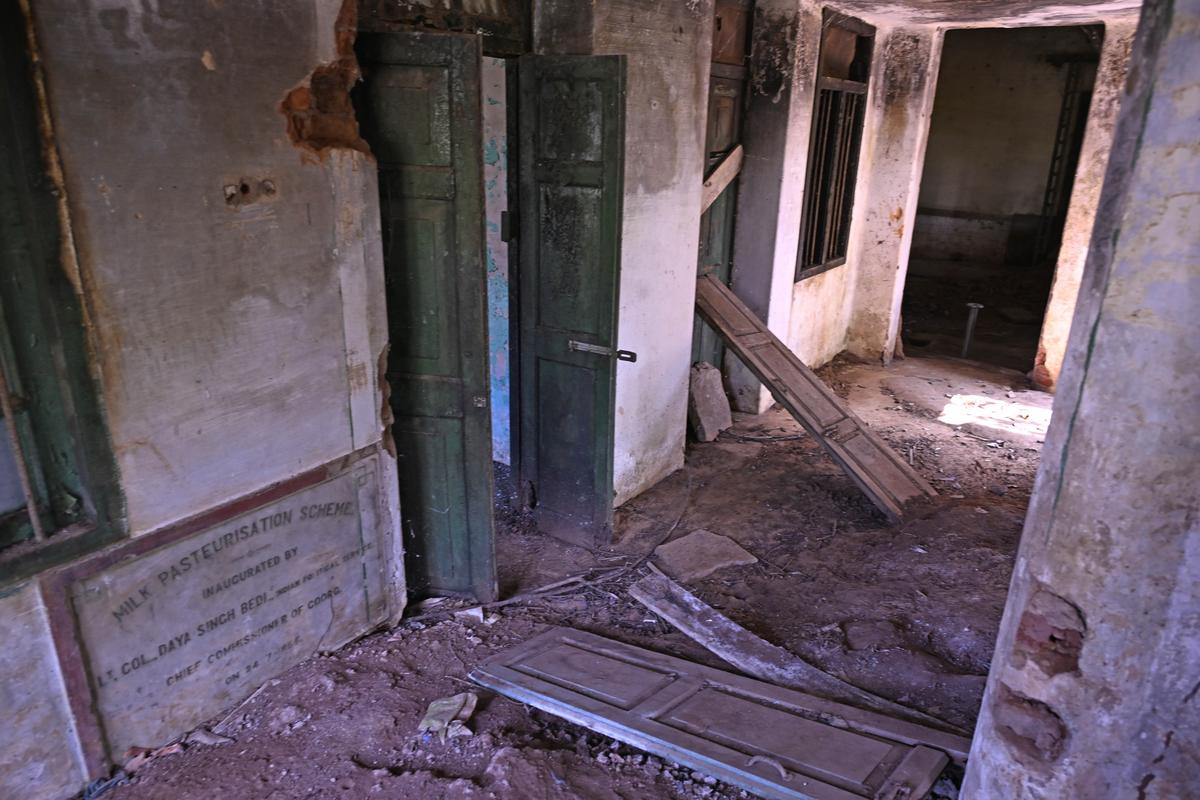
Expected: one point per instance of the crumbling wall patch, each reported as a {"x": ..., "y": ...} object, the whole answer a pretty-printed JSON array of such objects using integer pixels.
[
  {"x": 320, "y": 115},
  {"x": 1032, "y": 728},
  {"x": 1050, "y": 634},
  {"x": 772, "y": 55}
]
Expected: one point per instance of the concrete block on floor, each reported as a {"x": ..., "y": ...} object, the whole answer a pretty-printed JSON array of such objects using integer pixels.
[
  {"x": 699, "y": 554},
  {"x": 708, "y": 406}
]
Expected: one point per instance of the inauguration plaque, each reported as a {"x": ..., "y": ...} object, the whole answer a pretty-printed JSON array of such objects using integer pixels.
[{"x": 178, "y": 634}]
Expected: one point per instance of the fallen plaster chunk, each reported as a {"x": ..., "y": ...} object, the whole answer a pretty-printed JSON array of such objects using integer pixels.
[
  {"x": 699, "y": 554},
  {"x": 708, "y": 406},
  {"x": 742, "y": 649},
  {"x": 772, "y": 741}
]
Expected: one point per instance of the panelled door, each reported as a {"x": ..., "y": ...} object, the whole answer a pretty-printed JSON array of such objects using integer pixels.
[
  {"x": 419, "y": 107},
  {"x": 571, "y": 112}
]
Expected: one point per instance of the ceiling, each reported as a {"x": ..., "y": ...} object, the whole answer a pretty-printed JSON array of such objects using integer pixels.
[{"x": 989, "y": 13}]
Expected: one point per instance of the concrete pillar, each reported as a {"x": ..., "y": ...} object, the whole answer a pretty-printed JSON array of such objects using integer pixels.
[
  {"x": 786, "y": 43},
  {"x": 1094, "y": 688},
  {"x": 1085, "y": 195},
  {"x": 904, "y": 81}
]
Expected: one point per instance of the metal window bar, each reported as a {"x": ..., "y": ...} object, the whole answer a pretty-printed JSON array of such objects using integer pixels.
[{"x": 833, "y": 168}]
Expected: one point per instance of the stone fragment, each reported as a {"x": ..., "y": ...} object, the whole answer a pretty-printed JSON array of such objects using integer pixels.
[
  {"x": 699, "y": 554},
  {"x": 708, "y": 406}
]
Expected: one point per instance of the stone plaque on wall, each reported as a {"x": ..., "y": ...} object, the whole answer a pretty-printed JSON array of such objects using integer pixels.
[{"x": 174, "y": 636}]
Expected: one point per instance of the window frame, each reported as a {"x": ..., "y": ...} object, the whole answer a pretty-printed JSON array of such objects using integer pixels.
[
  {"x": 824, "y": 153},
  {"x": 56, "y": 413}
]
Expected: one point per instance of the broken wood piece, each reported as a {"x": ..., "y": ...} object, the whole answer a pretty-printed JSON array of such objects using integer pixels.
[
  {"x": 882, "y": 474},
  {"x": 775, "y": 742},
  {"x": 720, "y": 178},
  {"x": 915, "y": 776},
  {"x": 742, "y": 649}
]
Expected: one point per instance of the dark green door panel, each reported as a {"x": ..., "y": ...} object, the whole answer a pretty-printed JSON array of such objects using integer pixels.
[
  {"x": 726, "y": 94},
  {"x": 572, "y": 118},
  {"x": 419, "y": 107}
]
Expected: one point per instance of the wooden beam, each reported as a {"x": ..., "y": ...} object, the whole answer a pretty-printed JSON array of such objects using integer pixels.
[
  {"x": 721, "y": 177},
  {"x": 889, "y": 480},
  {"x": 758, "y": 658}
]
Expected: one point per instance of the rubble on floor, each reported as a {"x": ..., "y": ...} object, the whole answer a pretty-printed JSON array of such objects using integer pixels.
[
  {"x": 753, "y": 656},
  {"x": 908, "y": 613}
]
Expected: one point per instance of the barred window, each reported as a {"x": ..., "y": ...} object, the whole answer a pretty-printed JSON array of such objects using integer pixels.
[{"x": 840, "y": 107}]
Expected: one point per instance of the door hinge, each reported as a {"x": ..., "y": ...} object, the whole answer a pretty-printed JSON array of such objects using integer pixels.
[{"x": 601, "y": 350}]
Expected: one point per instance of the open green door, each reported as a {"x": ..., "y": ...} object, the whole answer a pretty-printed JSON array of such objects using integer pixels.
[
  {"x": 419, "y": 108},
  {"x": 572, "y": 119}
]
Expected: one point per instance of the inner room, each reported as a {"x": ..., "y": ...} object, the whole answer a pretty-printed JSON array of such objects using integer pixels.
[
  {"x": 688, "y": 400},
  {"x": 1009, "y": 120}
]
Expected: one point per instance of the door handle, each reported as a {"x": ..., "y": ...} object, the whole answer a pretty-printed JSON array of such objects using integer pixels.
[{"x": 601, "y": 350}]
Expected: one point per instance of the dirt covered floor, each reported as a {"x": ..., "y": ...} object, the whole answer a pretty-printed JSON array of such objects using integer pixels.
[{"x": 908, "y": 612}]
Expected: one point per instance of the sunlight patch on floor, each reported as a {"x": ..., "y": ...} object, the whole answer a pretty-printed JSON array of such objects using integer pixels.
[{"x": 1000, "y": 415}]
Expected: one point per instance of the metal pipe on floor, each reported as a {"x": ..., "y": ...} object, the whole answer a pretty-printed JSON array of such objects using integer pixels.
[{"x": 972, "y": 318}]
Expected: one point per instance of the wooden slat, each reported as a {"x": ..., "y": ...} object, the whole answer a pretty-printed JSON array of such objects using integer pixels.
[
  {"x": 760, "y": 659},
  {"x": 721, "y": 177},
  {"x": 775, "y": 742},
  {"x": 876, "y": 468},
  {"x": 915, "y": 775}
]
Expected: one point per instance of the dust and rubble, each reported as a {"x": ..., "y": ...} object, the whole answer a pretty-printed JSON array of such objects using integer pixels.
[{"x": 907, "y": 613}]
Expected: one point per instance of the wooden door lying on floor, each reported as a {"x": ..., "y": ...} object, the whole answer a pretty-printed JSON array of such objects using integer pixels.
[
  {"x": 876, "y": 468},
  {"x": 775, "y": 742}
]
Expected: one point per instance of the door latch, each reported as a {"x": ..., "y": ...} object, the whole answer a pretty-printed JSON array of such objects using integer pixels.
[{"x": 601, "y": 350}]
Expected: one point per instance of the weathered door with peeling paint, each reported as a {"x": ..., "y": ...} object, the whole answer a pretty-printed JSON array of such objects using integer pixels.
[
  {"x": 775, "y": 742},
  {"x": 572, "y": 111},
  {"x": 420, "y": 111}
]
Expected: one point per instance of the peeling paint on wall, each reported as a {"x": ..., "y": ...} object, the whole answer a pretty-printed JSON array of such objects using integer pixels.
[
  {"x": 320, "y": 116},
  {"x": 773, "y": 53}
]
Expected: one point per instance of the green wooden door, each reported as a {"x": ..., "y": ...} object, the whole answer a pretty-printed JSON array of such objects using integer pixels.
[
  {"x": 420, "y": 112},
  {"x": 572, "y": 118}
]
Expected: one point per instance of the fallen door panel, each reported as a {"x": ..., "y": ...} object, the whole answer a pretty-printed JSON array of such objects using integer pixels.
[
  {"x": 776, "y": 742},
  {"x": 887, "y": 480}
]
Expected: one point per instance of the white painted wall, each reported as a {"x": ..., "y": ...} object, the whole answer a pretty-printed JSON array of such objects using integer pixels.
[
  {"x": 994, "y": 119},
  {"x": 237, "y": 347},
  {"x": 668, "y": 47}
]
